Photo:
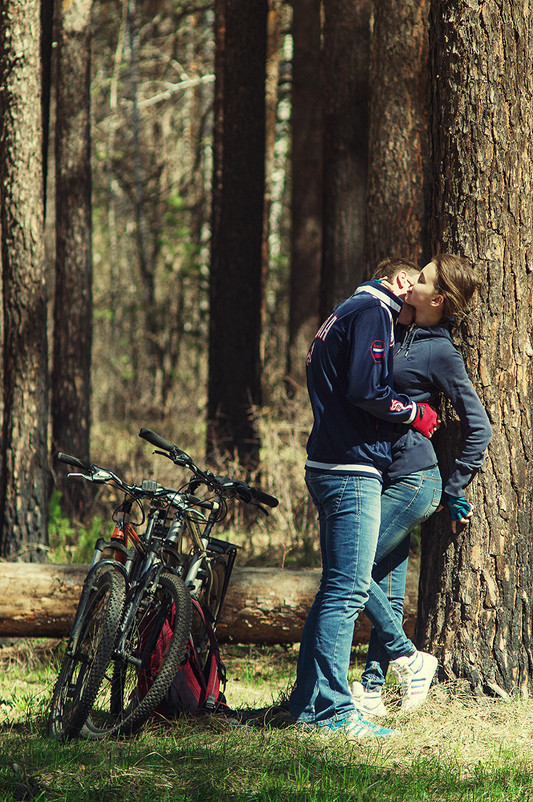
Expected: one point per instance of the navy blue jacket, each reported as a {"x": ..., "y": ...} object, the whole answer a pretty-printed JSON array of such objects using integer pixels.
[
  {"x": 426, "y": 363},
  {"x": 349, "y": 378}
]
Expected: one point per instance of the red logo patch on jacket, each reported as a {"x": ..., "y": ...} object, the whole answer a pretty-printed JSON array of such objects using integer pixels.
[{"x": 377, "y": 350}]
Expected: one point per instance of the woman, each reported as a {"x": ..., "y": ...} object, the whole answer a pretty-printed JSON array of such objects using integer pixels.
[{"x": 426, "y": 364}]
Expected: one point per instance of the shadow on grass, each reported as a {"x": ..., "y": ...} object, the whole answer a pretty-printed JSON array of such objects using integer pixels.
[{"x": 209, "y": 759}]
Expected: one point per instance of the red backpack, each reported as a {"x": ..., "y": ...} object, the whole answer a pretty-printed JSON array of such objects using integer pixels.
[{"x": 193, "y": 689}]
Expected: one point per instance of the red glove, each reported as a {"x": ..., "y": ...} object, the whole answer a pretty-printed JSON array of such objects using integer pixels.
[{"x": 426, "y": 420}]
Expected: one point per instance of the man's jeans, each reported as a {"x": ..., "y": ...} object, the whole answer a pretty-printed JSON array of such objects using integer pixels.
[
  {"x": 405, "y": 503},
  {"x": 349, "y": 511}
]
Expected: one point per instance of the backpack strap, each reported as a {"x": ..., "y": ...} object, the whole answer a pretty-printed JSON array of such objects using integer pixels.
[{"x": 216, "y": 673}]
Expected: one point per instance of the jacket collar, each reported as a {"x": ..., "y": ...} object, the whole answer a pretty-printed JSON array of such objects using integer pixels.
[{"x": 384, "y": 295}]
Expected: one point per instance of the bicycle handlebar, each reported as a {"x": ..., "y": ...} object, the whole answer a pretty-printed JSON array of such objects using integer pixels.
[
  {"x": 151, "y": 489},
  {"x": 148, "y": 489},
  {"x": 77, "y": 463},
  {"x": 177, "y": 455},
  {"x": 246, "y": 492},
  {"x": 264, "y": 498},
  {"x": 219, "y": 483}
]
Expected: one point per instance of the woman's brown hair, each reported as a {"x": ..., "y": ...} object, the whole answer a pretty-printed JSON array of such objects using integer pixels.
[{"x": 456, "y": 282}]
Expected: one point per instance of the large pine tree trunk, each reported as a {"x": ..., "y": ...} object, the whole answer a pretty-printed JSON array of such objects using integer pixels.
[
  {"x": 71, "y": 377},
  {"x": 47, "y": 44},
  {"x": 23, "y": 484},
  {"x": 346, "y": 38},
  {"x": 234, "y": 384},
  {"x": 396, "y": 222},
  {"x": 475, "y": 608},
  {"x": 306, "y": 201},
  {"x": 274, "y": 53}
]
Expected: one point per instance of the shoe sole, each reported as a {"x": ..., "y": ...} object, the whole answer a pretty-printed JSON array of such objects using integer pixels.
[{"x": 366, "y": 713}]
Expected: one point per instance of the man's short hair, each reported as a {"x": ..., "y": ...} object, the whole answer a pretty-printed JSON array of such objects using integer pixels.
[{"x": 390, "y": 267}]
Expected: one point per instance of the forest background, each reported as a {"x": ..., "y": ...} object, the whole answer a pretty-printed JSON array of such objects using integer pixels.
[{"x": 187, "y": 190}]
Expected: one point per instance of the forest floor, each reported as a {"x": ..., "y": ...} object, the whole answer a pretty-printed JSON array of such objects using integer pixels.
[{"x": 454, "y": 748}]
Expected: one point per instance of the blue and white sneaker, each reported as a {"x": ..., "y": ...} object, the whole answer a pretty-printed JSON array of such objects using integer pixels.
[
  {"x": 415, "y": 673},
  {"x": 368, "y": 701},
  {"x": 355, "y": 727}
]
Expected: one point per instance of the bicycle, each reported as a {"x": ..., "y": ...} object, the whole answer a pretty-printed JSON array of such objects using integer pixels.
[
  {"x": 205, "y": 562},
  {"x": 178, "y": 550},
  {"x": 128, "y": 597}
]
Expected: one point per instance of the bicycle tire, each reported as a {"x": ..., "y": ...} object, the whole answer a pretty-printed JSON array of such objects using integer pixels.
[
  {"x": 88, "y": 654},
  {"x": 125, "y": 699}
]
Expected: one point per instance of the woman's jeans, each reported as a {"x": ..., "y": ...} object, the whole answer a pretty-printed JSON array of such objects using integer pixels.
[
  {"x": 405, "y": 503},
  {"x": 349, "y": 512}
]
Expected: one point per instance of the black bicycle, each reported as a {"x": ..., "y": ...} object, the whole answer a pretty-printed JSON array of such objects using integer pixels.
[
  {"x": 129, "y": 597},
  {"x": 176, "y": 559},
  {"x": 204, "y": 561}
]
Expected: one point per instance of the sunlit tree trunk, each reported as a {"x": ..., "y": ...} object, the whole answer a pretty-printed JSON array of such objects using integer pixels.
[
  {"x": 24, "y": 453},
  {"x": 71, "y": 375},
  {"x": 476, "y": 590},
  {"x": 147, "y": 355},
  {"x": 234, "y": 384},
  {"x": 47, "y": 43},
  {"x": 396, "y": 223},
  {"x": 273, "y": 57}
]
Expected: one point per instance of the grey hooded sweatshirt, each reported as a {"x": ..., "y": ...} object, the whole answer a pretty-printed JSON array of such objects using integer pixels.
[{"x": 426, "y": 364}]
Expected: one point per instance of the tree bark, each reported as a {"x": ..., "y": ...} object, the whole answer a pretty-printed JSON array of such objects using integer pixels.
[
  {"x": 71, "y": 375},
  {"x": 306, "y": 201},
  {"x": 234, "y": 384},
  {"x": 47, "y": 43},
  {"x": 396, "y": 223},
  {"x": 346, "y": 36},
  {"x": 475, "y": 609},
  {"x": 24, "y": 457},
  {"x": 263, "y": 605},
  {"x": 272, "y": 61}
]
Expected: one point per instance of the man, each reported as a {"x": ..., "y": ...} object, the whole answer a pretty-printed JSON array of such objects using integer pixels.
[{"x": 349, "y": 376}]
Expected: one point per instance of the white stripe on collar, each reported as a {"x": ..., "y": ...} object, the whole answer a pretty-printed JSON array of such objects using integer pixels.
[{"x": 380, "y": 295}]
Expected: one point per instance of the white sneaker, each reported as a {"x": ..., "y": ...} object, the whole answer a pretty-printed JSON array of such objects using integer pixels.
[
  {"x": 415, "y": 674},
  {"x": 367, "y": 701}
]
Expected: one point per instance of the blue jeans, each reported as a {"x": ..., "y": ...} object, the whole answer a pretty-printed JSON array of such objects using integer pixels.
[
  {"x": 405, "y": 503},
  {"x": 349, "y": 511}
]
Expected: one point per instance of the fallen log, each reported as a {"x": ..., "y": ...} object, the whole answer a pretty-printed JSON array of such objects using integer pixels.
[{"x": 263, "y": 605}]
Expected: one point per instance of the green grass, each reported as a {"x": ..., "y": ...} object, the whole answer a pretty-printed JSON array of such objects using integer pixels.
[
  {"x": 454, "y": 748},
  {"x": 68, "y": 543}
]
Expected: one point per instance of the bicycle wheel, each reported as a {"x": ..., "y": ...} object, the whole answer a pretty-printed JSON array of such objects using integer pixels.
[
  {"x": 88, "y": 653},
  {"x": 154, "y": 648}
]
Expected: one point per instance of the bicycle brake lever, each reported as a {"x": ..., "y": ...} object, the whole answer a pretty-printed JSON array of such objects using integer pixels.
[
  {"x": 178, "y": 457},
  {"x": 181, "y": 458},
  {"x": 101, "y": 475},
  {"x": 243, "y": 492},
  {"x": 79, "y": 476},
  {"x": 163, "y": 453}
]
